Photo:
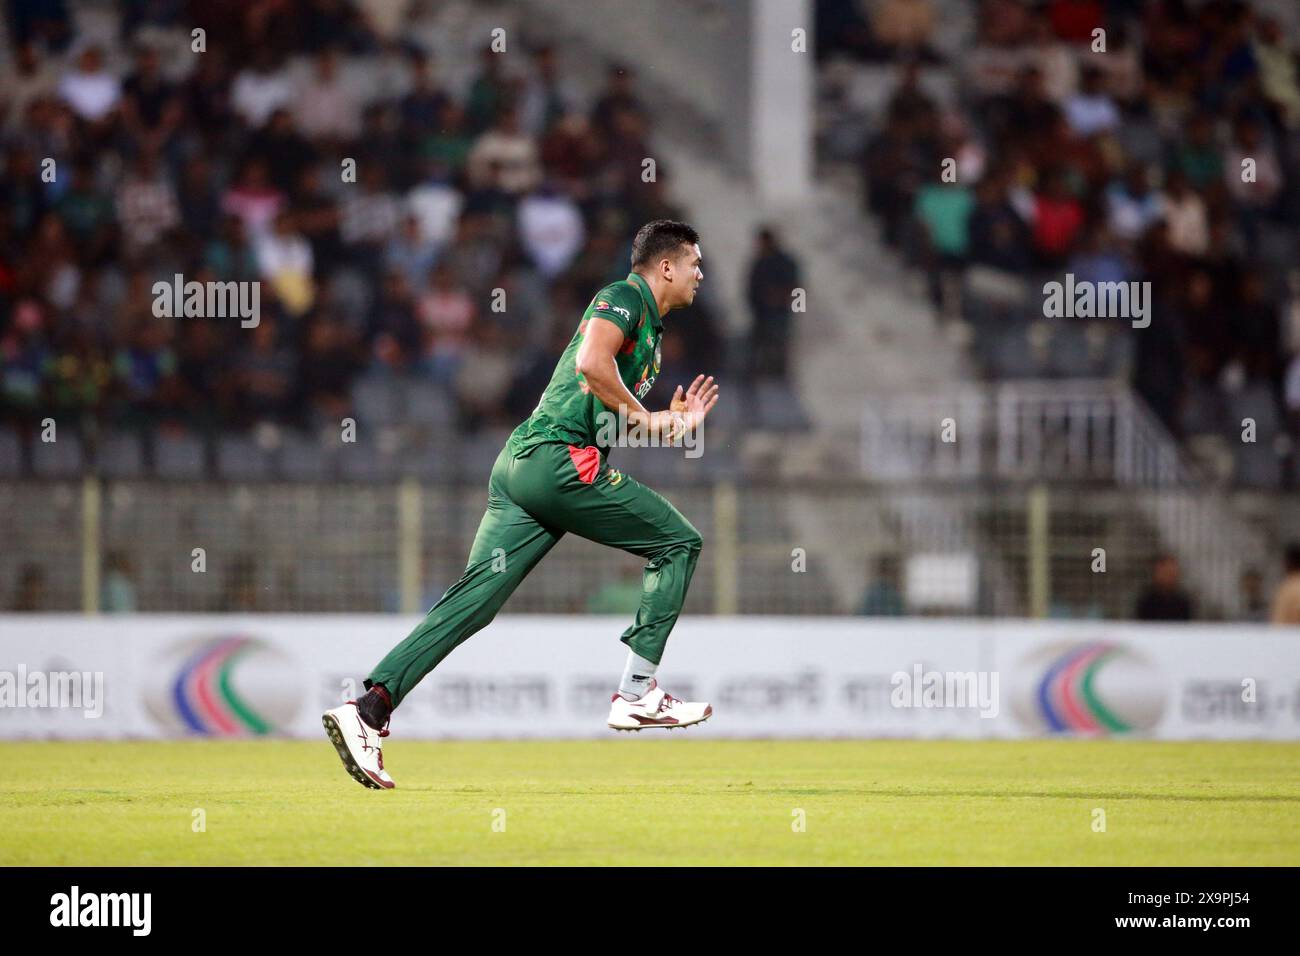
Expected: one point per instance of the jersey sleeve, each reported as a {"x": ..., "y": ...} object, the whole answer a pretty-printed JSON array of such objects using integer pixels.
[{"x": 621, "y": 304}]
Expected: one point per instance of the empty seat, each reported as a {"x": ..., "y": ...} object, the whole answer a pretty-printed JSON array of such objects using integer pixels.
[
  {"x": 1257, "y": 465},
  {"x": 120, "y": 455},
  {"x": 427, "y": 404},
  {"x": 305, "y": 458},
  {"x": 11, "y": 453},
  {"x": 240, "y": 458},
  {"x": 1010, "y": 356},
  {"x": 376, "y": 401},
  {"x": 179, "y": 457},
  {"x": 366, "y": 461},
  {"x": 777, "y": 407},
  {"x": 61, "y": 458}
]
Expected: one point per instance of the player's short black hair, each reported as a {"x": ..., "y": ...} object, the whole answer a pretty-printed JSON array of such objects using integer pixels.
[{"x": 660, "y": 236}]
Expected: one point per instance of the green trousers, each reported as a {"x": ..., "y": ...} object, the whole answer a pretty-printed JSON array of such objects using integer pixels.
[{"x": 533, "y": 500}]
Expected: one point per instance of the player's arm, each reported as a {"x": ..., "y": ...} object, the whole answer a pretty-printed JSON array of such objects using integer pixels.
[{"x": 599, "y": 366}]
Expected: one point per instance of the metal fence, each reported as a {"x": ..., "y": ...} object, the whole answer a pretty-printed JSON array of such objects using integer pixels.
[{"x": 806, "y": 548}]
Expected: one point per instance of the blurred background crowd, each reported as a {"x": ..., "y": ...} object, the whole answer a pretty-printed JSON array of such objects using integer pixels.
[
  {"x": 405, "y": 229},
  {"x": 1105, "y": 139}
]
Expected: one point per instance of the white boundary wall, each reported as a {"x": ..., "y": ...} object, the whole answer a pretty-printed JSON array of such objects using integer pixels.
[{"x": 551, "y": 676}]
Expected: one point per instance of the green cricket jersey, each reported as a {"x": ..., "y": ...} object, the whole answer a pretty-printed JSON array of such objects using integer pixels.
[{"x": 568, "y": 408}]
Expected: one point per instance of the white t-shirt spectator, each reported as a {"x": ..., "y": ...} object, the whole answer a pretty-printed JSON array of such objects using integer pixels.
[
  {"x": 146, "y": 208},
  {"x": 370, "y": 217},
  {"x": 92, "y": 96},
  {"x": 1128, "y": 217},
  {"x": 1089, "y": 114},
  {"x": 286, "y": 260},
  {"x": 436, "y": 206},
  {"x": 516, "y": 155},
  {"x": 550, "y": 227},
  {"x": 327, "y": 108},
  {"x": 1189, "y": 230},
  {"x": 255, "y": 95}
]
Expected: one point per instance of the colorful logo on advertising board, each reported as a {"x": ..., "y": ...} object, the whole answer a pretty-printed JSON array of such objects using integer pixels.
[
  {"x": 226, "y": 686},
  {"x": 1095, "y": 688}
]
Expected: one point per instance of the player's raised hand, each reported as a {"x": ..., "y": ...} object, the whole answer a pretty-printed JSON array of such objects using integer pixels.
[{"x": 698, "y": 400}]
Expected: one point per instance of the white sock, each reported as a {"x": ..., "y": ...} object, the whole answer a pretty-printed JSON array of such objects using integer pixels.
[{"x": 638, "y": 677}]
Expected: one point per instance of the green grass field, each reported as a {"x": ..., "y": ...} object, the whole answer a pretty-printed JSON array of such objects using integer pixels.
[{"x": 677, "y": 801}]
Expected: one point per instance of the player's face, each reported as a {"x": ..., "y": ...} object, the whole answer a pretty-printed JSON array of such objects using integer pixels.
[{"x": 689, "y": 266}]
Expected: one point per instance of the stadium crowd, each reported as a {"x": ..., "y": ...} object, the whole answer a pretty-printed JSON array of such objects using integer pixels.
[
  {"x": 1115, "y": 141},
  {"x": 401, "y": 229}
]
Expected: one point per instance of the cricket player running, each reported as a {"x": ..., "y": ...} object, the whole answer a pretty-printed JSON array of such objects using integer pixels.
[{"x": 551, "y": 478}]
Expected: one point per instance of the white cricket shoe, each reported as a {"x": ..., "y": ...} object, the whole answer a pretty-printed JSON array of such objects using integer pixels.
[
  {"x": 656, "y": 709},
  {"x": 358, "y": 746}
]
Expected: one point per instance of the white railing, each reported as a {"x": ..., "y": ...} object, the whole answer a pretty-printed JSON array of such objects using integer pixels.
[{"x": 1076, "y": 430}]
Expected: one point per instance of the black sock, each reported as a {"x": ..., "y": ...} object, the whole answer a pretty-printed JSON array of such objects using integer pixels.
[{"x": 375, "y": 706}]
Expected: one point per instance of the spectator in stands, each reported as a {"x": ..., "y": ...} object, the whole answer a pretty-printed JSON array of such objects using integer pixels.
[
  {"x": 1254, "y": 604},
  {"x": 330, "y": 362},
  {"x": 1286, "y": 600},
  {"x": 368, "y": 217},
  {"x": 1186, "y": 224},
  {"x": 284, "y": 257},
  {"x": 394, "y": 331},
  {"x": 261, "y": 88},
  {"x": 905, "y": 27},
  {"x": 422, "y": 106},
  {"x": 146, "y": 205},
  {"x": 543, "y": 98},
  {"x": 505, "y": 157},
  {"x": 151, "y": 108},
  {"x": 999, "y": 237},
  {"x": 325, "y": 108},
  {"x": 91, "y": 89},
  {"x": 1132, "y": 207},
  {"x": 489, "y": 93},
  {"x": 1164, "y": 598},
  {"x": 1279, "y": 72},
  {"x": 1091, "y": 110},
  {"x": 550, "y": 229},
  {"x": 239, "y": 590},
  {"x": 773, "y": 278},
  {"x": 486, "y": 367},
  {"x": 883, "y": 597},
  {"x": 30, "y": 593},
  {"x": 943, "y": 210},
  {"x": 446, "y": 314},
  {"x": 285, "y": 152},
  {"x": 254, "y": 199},
  {"x": 117, "y": 593},
  {"x": 265, "y": 372},
  {"x": 619, "y": 95},
  {"x": 450, "y": 143},
  {"x": 408, "y": 253},
  {"x": 1057, "y": 220},
  {"x": 29, "y": 78}
]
